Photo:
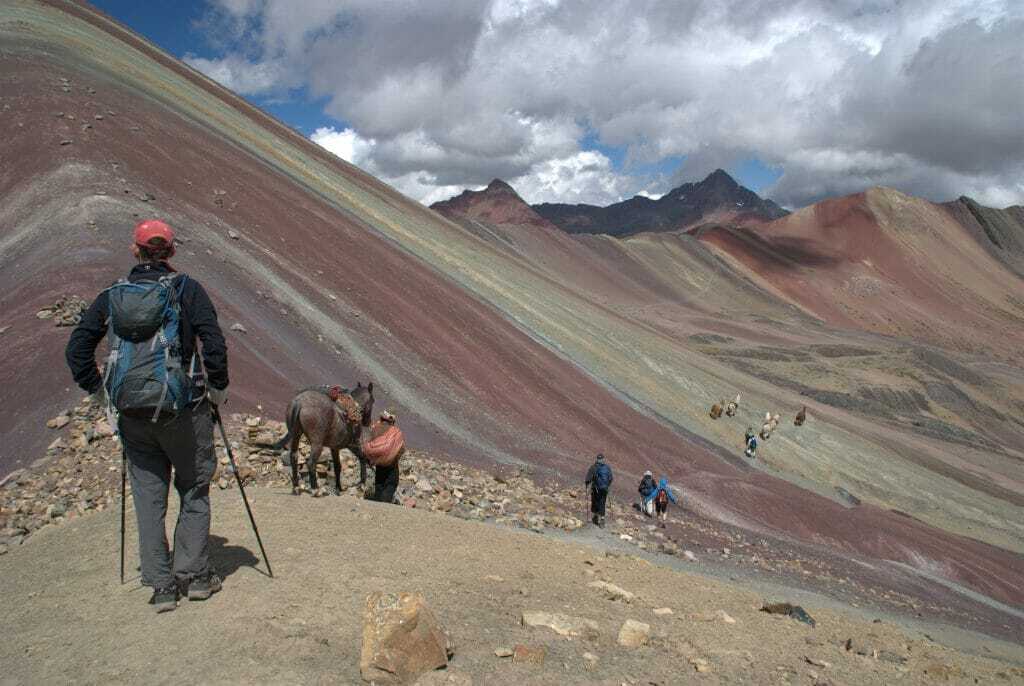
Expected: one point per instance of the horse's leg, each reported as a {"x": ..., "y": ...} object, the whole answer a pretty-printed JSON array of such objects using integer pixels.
[
  {"x": 336, "y": 458},
  {"x": 293, "y": 456},
  {"x": 314, "y": 456},
  {"x": 355, "y": 447}
]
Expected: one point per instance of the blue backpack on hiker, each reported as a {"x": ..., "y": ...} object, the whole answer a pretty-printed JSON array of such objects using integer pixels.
[
  {"x": 603, "y": 477},
  {"x": 144, "y": 373}
]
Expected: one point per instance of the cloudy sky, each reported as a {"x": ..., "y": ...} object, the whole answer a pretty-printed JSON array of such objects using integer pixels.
[{"x": 596, "y": 101}]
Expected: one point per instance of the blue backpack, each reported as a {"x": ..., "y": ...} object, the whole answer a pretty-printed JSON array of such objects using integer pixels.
[
  {"x": 603, "y": 477},
  {"x": 144, "y": 372}
]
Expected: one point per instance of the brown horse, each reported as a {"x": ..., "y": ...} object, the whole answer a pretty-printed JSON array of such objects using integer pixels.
[
  {"x": 313, "y": 413},
  {"x": 716, "y": 410},
  {"x": 801, "y": 417}
]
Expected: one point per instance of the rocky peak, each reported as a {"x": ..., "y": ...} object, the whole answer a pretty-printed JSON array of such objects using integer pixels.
[{"x": 498, "y": 203}]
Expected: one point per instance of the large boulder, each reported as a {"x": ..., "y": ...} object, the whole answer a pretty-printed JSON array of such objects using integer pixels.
[{"x": 402, "y": 639}]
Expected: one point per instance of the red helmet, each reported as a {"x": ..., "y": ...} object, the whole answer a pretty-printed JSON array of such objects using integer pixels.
[{"x": 147, "y": 230}]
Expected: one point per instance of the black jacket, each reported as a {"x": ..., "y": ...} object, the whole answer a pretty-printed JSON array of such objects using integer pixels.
[
  {"x": 646, "y": 485},
  {"x": 198, "y": 319}
]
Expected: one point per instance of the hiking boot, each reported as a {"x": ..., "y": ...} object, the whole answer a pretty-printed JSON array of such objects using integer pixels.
[
  {"x": 201, "y": 588},
  {"x": 164, "y": 599}
]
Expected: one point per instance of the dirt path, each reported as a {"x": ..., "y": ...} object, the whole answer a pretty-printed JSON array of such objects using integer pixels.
[{"x": 69, "y": 620}]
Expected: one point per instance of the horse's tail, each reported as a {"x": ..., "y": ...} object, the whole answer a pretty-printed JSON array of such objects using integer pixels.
[{"x": 292, "y": 425}]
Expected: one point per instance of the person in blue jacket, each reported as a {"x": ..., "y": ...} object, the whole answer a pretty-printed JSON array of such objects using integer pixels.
[{"x": 661, "y": 497}]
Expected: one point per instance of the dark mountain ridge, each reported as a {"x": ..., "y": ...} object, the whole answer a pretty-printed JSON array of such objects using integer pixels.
[{"x": 718, "y": 197}]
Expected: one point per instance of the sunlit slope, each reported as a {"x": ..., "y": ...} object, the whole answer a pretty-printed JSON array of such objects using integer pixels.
[{"x": 481, "y": 344}]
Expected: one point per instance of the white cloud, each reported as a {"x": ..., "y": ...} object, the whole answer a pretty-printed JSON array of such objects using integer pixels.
[
  {"x": 240, "y": 75},
  {"x": 346, "y": 144},
  {"x": 839, "y": 94}
]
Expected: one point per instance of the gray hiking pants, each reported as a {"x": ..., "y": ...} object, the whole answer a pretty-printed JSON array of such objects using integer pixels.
[{"x": 186, "y": 444}]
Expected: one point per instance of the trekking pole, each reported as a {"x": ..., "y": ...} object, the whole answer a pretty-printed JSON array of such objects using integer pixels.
[
  {"x": 124, "y": 477},
  {"x": 241, "y": 488}
]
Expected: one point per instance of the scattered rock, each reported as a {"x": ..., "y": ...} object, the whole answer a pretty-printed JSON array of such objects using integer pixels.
[
  {"x": 889, "y": 656},
  {"x": 530, "y": 655},
  {"x": 590, "y": 661},
  {"x": 59, "y": 422},
  {"x": 817, "y": 663},
  {"x": 67, "y": 311},
  {"x": 239, "y": 328},
  {"x": 689, "y": 556},
  {"x": 700, "y": 664},
  {"x": 633, "y": 634},
  {"x": 233, "y": 235},
  {"x": 503, "y": 652},
  {"x": 724, "y": 616},
  {"x": 662, "y": 611},
  {"x": 612, "y": 591},
  {"x": 563, "y": 625},
  {"x": 401, "y": 639},
  {"x": 794, "y": 611}
]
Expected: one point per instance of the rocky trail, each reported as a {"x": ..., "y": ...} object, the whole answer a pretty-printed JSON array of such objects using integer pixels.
[{"x": 479, "y": 569}]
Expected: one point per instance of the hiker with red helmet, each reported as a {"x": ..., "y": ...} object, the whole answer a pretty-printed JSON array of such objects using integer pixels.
[{"x": 161, "y": 388}]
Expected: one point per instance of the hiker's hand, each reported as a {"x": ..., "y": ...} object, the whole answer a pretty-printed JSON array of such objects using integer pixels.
[{"x": 217, "y": 396}]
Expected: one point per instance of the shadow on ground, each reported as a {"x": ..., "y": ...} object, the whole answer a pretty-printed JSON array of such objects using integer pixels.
[{"x": 227, "y": 559}]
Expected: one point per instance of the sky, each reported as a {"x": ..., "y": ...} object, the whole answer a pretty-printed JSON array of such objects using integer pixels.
[{"x": 598, "y": 100}]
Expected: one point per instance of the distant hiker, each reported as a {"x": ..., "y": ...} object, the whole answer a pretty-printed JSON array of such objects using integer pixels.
[
  {"x": 154, "y": 380},
  {"x": 801, "y": 417},
  {"x": 660, "y": 497},
  {"x": 751, "y": 443},
  {"x": 383, "y": 449},
  {"x": 646, "y": 488},
  {"x": 599, "y": 479},
  {"x": 733, "y": 405}
]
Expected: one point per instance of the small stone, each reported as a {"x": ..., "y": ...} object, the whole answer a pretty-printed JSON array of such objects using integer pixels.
[
  {"x": 590, "y": 660},
  {"x": 662, "y": 611},
  {"x": 724, "y": 616},
  {"x": 233, "y": 235},
  {"x": 700, "y": 664},
  {"x": 563, "y": 625},
  {"x": 889, "y": 656},
  {"x": 66, "y": 141},
  {"x": 612, "y": 591},
  {"x": 98, "y": 117},
  {"x": 816, "y": 662},
  {"x": 634, "y": 634},
  {"x": 332, "y": 296},
  {"x": 530, "y": 655},
  {"x": 59, "y": 422},
  {"x": 503, "y": 652}
]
